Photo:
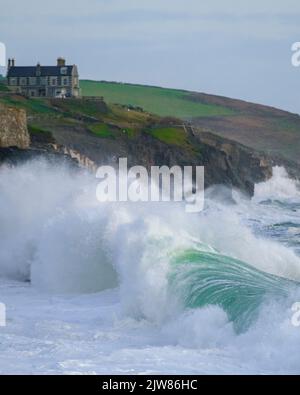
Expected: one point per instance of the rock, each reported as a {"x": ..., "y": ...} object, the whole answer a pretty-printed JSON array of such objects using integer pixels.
[
  {"x": 230, "y": 163},
  {"x": 13, "y": 128},
  {"x": 13, "y": 156},
  {"x": 226, "y": 162}
]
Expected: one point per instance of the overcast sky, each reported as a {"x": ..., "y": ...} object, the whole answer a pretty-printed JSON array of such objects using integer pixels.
[{"x": 234, "y": 48}]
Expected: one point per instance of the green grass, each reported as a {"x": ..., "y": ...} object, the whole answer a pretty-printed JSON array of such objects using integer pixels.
[
  {"x": 85, "y": 107},
  {"x": 130, "y": 132},
  {"x": 32, "y": 106},
  {"x": 171, "y": 135},
  {"x": 101, "y": 130},
  {"x": 3, "y": 87},
  {"x": 160, "y": 101},
  {"x": 36, "y": 129},
  {"x": 40, "y": 133},
  {"x": 108, "y": 121},
  {"x": 106, "y": 131}
]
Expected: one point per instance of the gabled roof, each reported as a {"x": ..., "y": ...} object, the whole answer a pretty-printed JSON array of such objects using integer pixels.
[{"x": 31, "y": 71}]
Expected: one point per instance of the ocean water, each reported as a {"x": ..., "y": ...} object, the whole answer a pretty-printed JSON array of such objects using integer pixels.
[{"x": 146, "y": 288}]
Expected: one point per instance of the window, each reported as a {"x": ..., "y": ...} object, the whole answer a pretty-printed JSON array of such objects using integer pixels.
[
  {"x": 42, "y": 92},
  {"x": 65, "y": 81},
  {"x": 63, "y": 70},
  {"x": 32, "y": 81},
  {"x": 23, "y": 81},
  {"x": 53, "y": 81},
  {"x": 13, "y": 81},
  {"x": 43, "y": 81}
]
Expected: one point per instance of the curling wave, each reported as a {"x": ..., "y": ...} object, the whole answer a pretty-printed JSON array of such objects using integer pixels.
[{"x": 202, "y": 278}]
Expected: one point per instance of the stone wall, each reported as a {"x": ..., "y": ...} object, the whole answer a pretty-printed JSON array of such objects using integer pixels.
[{"x": 13, "y": 128}]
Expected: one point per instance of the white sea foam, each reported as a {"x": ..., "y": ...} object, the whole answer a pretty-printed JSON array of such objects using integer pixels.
[
  {"x": 279, "y": 187},
  {"x": 55, "y": 234}
]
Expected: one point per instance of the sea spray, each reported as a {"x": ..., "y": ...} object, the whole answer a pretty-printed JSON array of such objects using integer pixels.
[
  {"x": 280, "y": 187},
  {"x": 207, "y": 293},
  {"x": 56, "y": 235}
]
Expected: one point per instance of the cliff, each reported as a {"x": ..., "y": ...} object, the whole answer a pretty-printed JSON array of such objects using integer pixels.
[
  {"x": 92, "y": 133},
  {"x": 261, "y": 128},
  {"x": 13, "y": 128},
  {"x": 159, "y": 142}
]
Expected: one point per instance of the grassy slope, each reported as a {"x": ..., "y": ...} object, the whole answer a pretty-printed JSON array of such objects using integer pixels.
[
  {"x": 160, "y": 101},
  {"x": 256, "y": 126},
  {"x": 170, "y": 135},
  {"x": 260, "y": 127},
  {"x": 96, "y": 117}
]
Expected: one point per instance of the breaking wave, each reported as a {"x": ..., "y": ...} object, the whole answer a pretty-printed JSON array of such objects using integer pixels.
[{"x": 164, "y": 262}]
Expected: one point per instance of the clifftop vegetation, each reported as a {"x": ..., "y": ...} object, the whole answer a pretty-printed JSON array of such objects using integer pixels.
[{"x": 264, "y": 128}]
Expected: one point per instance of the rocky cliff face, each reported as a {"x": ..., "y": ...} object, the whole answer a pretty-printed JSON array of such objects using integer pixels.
[
  {"x": 13, "y": 128},
  {"x": 226, "y": 162}
]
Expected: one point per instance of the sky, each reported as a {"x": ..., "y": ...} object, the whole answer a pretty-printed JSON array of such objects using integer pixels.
[{"x": 233, "y": 48}]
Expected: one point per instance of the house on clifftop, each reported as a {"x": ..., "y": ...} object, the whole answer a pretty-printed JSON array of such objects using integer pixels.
[{"x": 58, "y": 81}]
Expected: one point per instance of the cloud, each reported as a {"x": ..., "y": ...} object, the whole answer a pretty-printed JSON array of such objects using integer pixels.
[
  {"x": 235, "y": 47},
  {"x": 193, "y": 7},
  {"x": 141, "y": 19}
]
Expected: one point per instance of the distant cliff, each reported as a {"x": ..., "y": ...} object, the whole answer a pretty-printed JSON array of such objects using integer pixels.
[{"x": 13, "y": 128}]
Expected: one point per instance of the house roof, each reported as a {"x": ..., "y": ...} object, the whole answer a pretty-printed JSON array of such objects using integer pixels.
[{"x": 31, "y": 71}]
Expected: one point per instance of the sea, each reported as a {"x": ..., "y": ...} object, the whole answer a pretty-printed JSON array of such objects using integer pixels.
[{"x": 146, "y": 288}]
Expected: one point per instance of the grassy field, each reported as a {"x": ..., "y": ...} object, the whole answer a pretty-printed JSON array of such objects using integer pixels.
[
  {"x": 170, "y": 135},
  {"x": 159, "y": 101},
  {"x": 101, "y": 130}
]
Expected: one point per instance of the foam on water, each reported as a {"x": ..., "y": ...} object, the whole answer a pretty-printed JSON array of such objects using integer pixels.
[
  {"x": 279, "y": 187},
  {"x": 159, "y": 260}
]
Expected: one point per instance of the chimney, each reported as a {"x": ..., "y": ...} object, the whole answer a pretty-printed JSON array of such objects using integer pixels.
[
  {"x": 38, "y": 69},
  {"x": 61, "y": 62},
  {"x": 13, "y": 62},
  {"x": 9, "y": 64}
]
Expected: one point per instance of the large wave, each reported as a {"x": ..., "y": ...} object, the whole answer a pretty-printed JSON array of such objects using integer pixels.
[
  {"x": 207, "y": 278},
  {"x": 164, "y": 262}
]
